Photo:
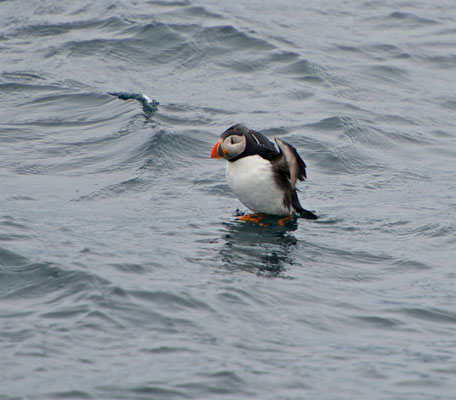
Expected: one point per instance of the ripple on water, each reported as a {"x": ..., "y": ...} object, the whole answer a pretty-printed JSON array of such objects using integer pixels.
[
  {"x": 227, "y": 37},
  {"x": 13, "y": 229},
  {"x": 170, "y": 301},
  {"x": 304, "y": 70},
  {"x": 23, "y": 279},
  {"x": 376, "y": 322},
  {"x": 129, "y": 187},
  {"x": 191, "y": 11},
  {"x": 431, "y": 314},
  {"x": 386, "y": 73},
  {"x": 165, "y": 45},
  {"x": 109, "y": 24},
  {"x": 402, "y": 20},
  {"x": 71, "y": 394},
  {"x": 156, "y": 389}
]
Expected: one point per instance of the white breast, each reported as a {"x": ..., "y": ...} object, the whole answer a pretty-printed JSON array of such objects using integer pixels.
[{"x": 252, "y": 181}]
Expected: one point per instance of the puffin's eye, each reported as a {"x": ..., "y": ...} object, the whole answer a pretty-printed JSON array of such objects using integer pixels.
[{"x": 235, "y": 139}]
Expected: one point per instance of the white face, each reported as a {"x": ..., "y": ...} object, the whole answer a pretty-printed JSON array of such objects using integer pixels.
[{"x": 233, "y": 146}]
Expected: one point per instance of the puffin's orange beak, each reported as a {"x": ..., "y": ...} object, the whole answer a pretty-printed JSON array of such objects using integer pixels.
[{"x": 217, "y": 151}]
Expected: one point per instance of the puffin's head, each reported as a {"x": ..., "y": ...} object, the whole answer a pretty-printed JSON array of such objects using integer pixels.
[{"x": 232, "y": 143}]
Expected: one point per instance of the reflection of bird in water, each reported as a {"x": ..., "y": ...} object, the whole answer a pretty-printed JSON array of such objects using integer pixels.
[
  {"x": 259, "y": 249},
  {"x": 262, "y": 177}
]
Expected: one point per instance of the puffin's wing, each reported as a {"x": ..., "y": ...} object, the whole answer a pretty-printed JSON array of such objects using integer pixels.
[
  {"x": 260, "y": 139},
  {"x": 296, "y": 166}
]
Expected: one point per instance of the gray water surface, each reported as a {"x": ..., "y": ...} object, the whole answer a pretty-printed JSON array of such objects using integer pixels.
[{"x": 124, "y": 273}]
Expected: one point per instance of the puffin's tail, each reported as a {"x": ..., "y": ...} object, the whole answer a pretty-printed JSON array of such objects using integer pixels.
[
  {"x": 303, "y": 213},
  {"x": 149, "y": 105},
  {"x": 307, "y": 214}
]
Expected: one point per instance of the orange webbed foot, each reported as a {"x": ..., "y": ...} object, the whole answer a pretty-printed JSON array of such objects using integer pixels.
[
  {"x": 255, "y": 218},
  {"x": 282, "y": 220}
]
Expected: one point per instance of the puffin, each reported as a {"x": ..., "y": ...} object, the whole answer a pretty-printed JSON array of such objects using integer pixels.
[{"x": 262, "y": 176}]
